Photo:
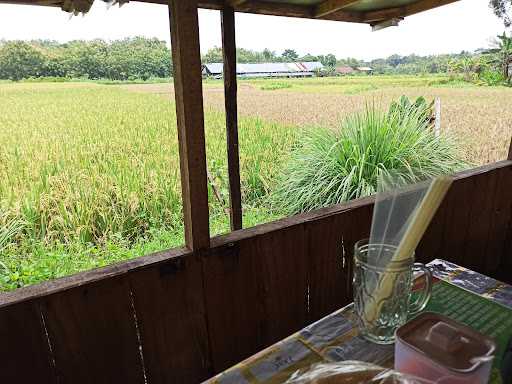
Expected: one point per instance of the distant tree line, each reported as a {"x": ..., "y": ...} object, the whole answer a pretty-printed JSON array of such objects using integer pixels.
[
  {"x": 394, "y": 64},
  {"x": 132, "y": 58},
  {"x": 214, "y": 55},
  {"x": 145, "y": 58}
]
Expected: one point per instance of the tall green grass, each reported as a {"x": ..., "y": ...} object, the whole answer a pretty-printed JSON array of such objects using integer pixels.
[
  {"x": 90, "y": 174},
  {"x": 332, "y": 166}
]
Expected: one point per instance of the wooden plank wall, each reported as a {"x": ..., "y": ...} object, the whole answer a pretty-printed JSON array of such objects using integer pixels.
[{"x": 180, "y": 316}]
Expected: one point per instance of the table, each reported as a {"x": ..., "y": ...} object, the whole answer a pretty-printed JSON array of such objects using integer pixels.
[{"x": 469, "y": 297}]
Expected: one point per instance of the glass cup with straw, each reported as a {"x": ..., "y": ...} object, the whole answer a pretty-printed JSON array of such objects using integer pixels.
[{"x": 384, "y": 264}]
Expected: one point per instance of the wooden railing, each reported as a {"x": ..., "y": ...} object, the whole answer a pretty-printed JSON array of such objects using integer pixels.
[{"x": 179, "y": 317}]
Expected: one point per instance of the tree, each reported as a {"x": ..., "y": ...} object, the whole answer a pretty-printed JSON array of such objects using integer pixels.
[
  {"x": 349, "y": 61},
  {"x": 248, "y": 56},
  {"x": 19, "y": 60},
  {"x": 214, "y": 55},
  {"x": 503, "y": 9},
  {"x": 328, "y": 60},
  {"x": 395, "y": 60},
  {"x": 290, "y": 55},
  {"x": 269, "y": 56},
  {"x": 502, "y": 53},
  {"x": 87, "y": 59},
  {"x": 309, "y": 57}
]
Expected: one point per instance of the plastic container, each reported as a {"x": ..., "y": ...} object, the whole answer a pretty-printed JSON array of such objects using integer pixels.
[{"x": 437, "y": 348}]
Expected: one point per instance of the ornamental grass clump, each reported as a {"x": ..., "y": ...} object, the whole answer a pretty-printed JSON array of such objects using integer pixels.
[{"x": 332, "y": 166}]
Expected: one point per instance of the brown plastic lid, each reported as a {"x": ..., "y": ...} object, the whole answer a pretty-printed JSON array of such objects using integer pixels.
[{"x": 446, "y": 342}]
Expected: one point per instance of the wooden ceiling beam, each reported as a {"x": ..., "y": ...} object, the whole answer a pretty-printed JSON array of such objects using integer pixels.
[
  {"x": 293, "y": 10},
  {"x": 408, "y": 10},
  {"x": 326, "y": 10},
  {"x": 347, "y": 16},
  {"x": 236, "y": 3},
  {"x": 276, "y": 9},
  {"x": 46, "y": 3},
  {"x": 331, "y": 6}
]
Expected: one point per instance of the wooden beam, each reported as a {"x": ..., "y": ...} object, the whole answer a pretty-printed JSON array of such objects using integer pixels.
[
  {"x": 326, "y": 10},
  {"x": 510, "y": 150},
  {"x": 295, "y": 10},
  {"x": 407, "y": 10},
  {"x": 190, "y": 117},
  {"x": 347, "y": 16},
  {"x": 44, "y": 3},
  {"x": 230, "y": 100},
  {"x": 331, "y": 6},
  {"x": 236, "y": 3},
  {"x": 276, "y": 9}
]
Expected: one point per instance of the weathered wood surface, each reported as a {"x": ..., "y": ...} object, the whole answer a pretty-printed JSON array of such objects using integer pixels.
[
  {"x": 249, "y": 282},
  {"x": 180, "y": 316},
  {"x": 93, "y": 335},
  {"x": 171, "y": 319},
  {"x": 24, "y": 348},
  {"x": 188, "y": 91},
  {"x": 500, "y": 237},
  {"x": 472, "y": 224},
  {"x": 330, "y": 6},
  {"x": 331, "y": 243},
  {"x": 230, "y": 100}
]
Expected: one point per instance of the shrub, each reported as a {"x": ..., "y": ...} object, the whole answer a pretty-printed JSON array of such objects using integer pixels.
[
  {"x": 329, "y": 167},
  {"x": 275, "y": 85},
  {"x": 403, "y": 106},
  {"x": 492, "y": 78}
]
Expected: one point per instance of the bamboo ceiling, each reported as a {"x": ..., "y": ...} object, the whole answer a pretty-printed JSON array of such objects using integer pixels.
[{"x": 358, "y": 11}]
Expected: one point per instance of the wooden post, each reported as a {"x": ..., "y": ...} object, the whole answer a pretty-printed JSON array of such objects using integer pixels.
[
  {"x": 188, "y": 91},
  {"x": 510, "y": 150},
  {"x": 230, "y": 100},
  {"x": 437, "y": 106}
]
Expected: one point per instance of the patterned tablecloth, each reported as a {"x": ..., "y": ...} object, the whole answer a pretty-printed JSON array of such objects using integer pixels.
[{"x": 469, "y": 297}]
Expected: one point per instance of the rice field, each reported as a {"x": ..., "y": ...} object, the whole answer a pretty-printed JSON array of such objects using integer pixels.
[
  {"x": 89, "y": 174},
  {"x": 480, "y": 117}
]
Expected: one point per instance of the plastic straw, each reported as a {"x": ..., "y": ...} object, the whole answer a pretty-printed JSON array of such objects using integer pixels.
[{"x": 409, "y": 242}]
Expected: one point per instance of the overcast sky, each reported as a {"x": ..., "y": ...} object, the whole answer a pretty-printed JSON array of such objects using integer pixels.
[{"x": 465, "y": 25}]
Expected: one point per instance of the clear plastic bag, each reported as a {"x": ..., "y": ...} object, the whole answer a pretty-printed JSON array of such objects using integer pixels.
[{"x": 350, "y": 372}]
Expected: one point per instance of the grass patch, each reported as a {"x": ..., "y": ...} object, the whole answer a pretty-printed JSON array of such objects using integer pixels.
[{"x": 275, "y": 85}]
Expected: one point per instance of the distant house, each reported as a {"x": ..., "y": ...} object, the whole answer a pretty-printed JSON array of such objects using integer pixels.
[
  {"x": 344, "y": 70},
  {"x": 367, "y": 70},
  {"x": 298, "y": 69}
]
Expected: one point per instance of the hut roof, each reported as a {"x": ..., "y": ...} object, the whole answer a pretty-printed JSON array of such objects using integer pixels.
[
  {"x": 307, "y": 66},
  {"x": 345, "y": 69},
  {"x": 359, "y": 11}
]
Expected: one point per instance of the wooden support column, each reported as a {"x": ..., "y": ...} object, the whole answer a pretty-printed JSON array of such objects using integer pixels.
[
  {"x": 230, "y": 97},
  {"x": 510, "y": 150},
  {"x": 190, "y": 117}
]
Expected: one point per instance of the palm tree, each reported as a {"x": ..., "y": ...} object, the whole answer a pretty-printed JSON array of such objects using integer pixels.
[
  {"x": 469, "y": 66},
  {"x": 503, "y": 55}
]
